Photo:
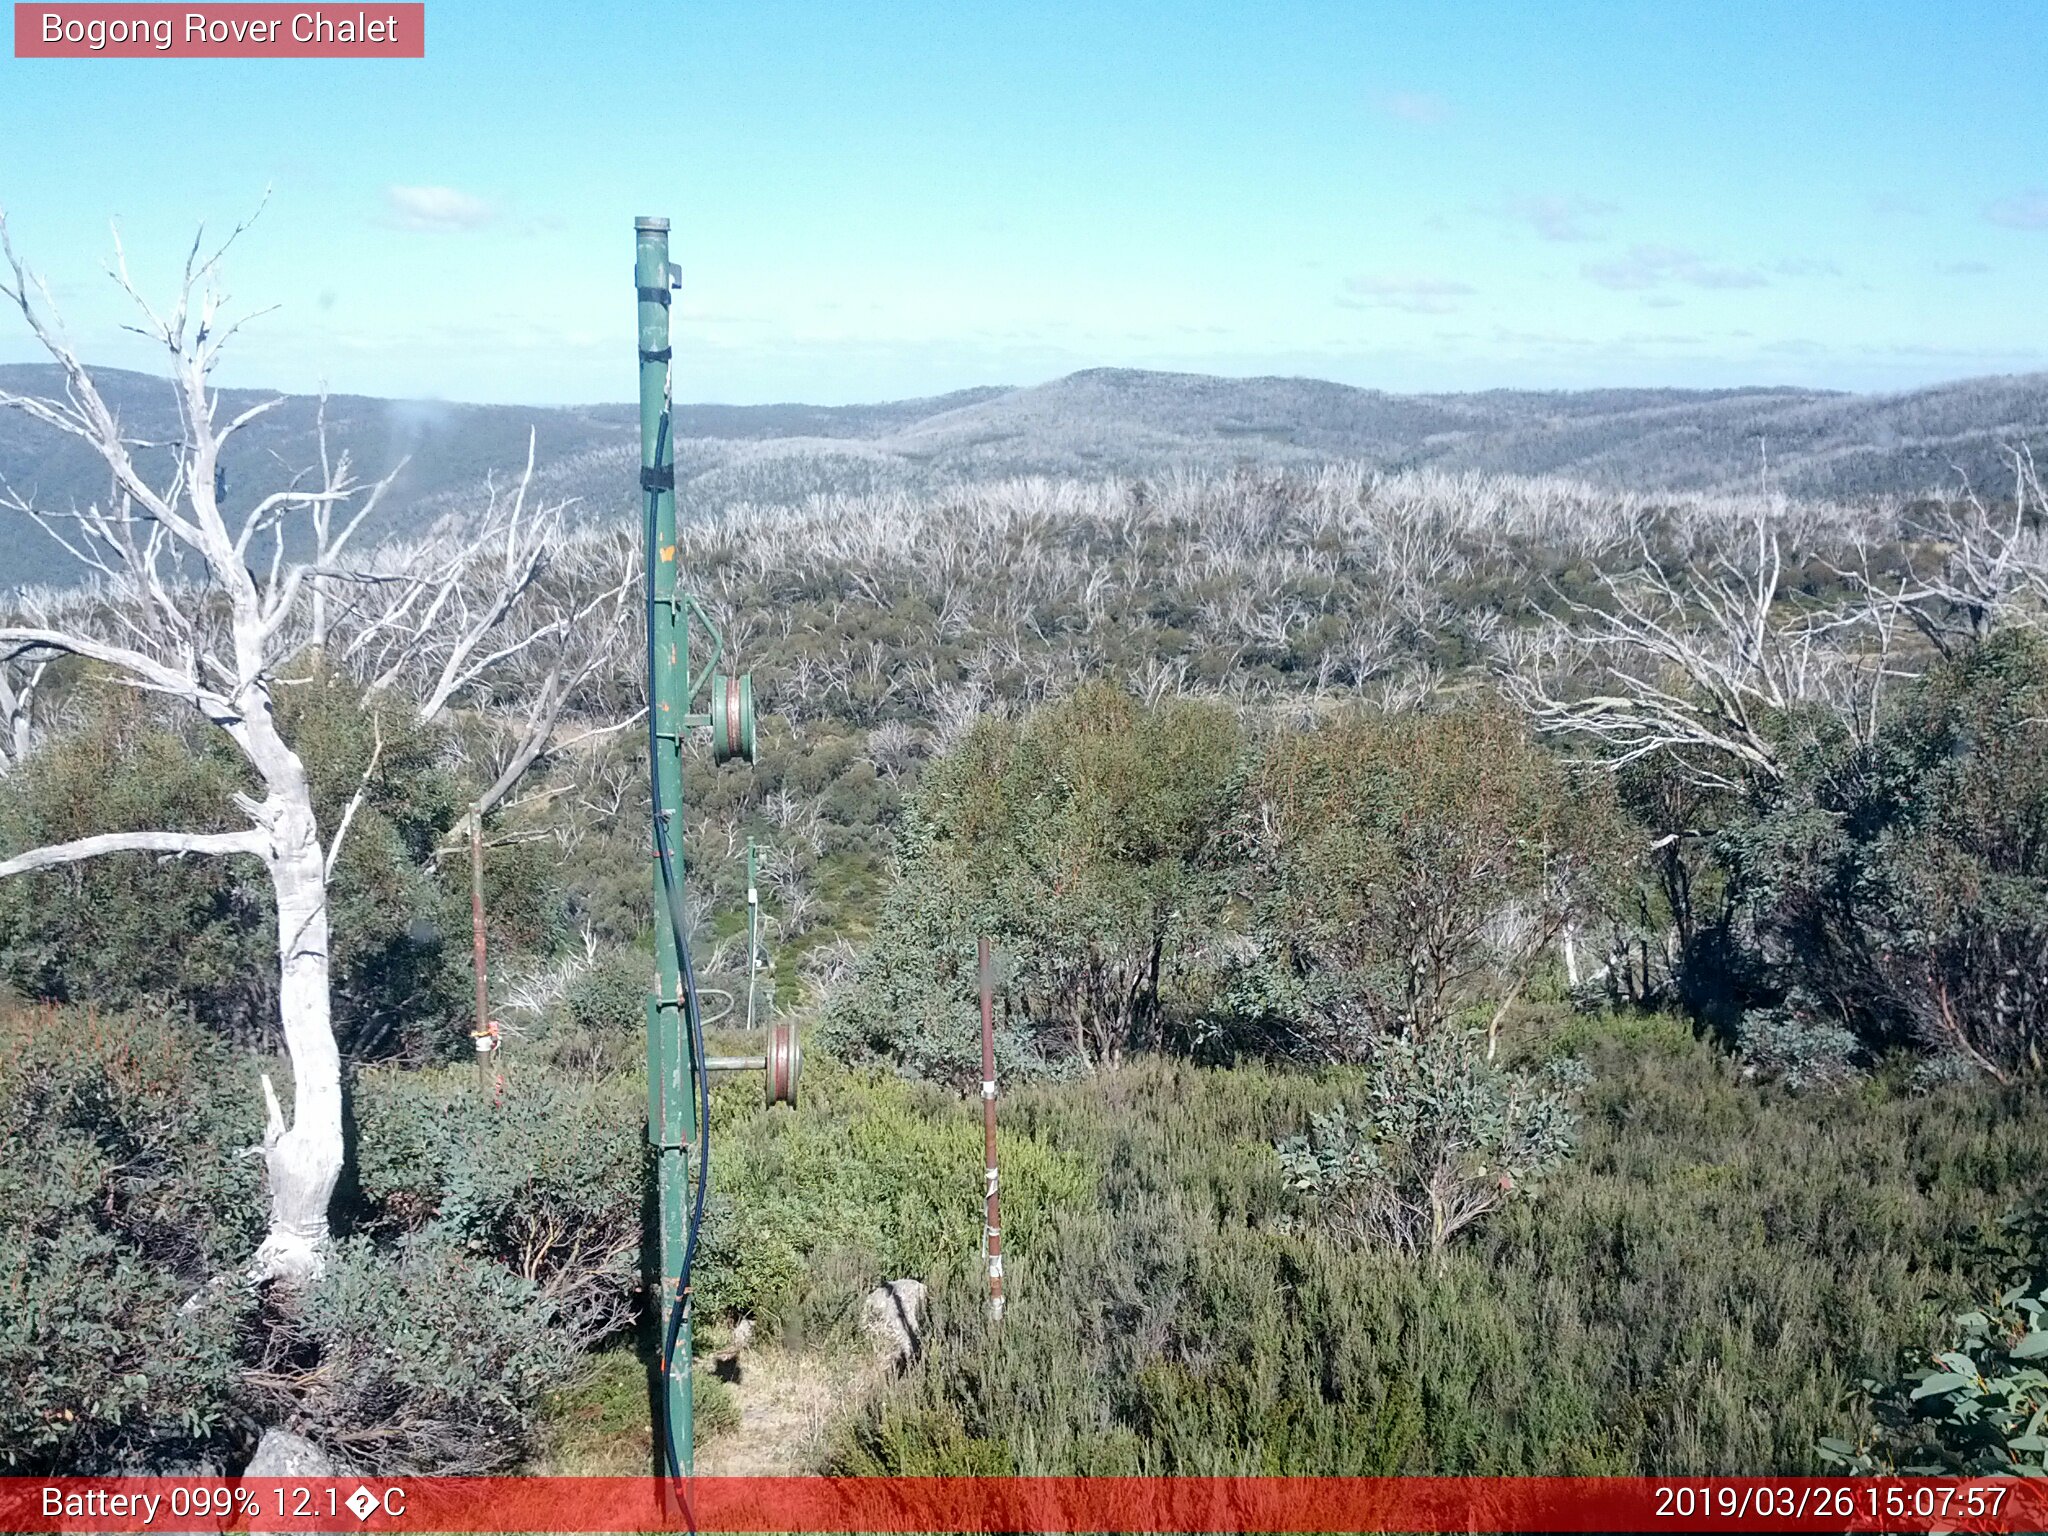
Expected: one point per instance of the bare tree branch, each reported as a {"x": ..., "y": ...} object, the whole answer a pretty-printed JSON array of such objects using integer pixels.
[
  {"x": 250, "y": 841},
  {"x": 355, "y": 802},
  {"x": 1702, "y": 666}
]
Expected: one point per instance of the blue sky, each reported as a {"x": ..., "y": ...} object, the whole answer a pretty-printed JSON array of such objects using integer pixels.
[{"x": 887, "y": 199}]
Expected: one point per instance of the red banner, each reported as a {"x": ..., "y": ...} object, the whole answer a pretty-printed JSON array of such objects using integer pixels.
[
  {"x": 237, "y": 31},
  {"x": 1051, "y": 1504}
]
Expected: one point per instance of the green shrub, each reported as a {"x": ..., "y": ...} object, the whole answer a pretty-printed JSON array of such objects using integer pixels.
[
  {"x": 921, "y": 1442},
  {"x": 1081, "y": 840},
  {"x": 525, "y": 901},
  {"x": 1699, "y": 1290},
  {"x": 116, "y": 930},
  {"x": 714, "y": 1411},
  {"x": 1901, "y": 889},
  {"x": 427, "y": 1361},
  {"x": 200, "y": 933},
  {"x": 124, "y": 1201},
  {"x": 550, "y": 1182},
  {"x": 611, "y": 995},
  {"x": 1414, "y": 865},
  {"x": 873, "y": 1179},
  {"x": 1442, "y": 1138},
  {"x": 1797, "y": 1049},
  {"x": 1980, "y": 1406},
  {"x": 128, "y": 1339}
]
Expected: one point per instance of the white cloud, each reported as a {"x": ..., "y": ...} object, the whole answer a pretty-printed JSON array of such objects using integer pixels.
[
  {"x": 1652, "y": 266},
  {"x": 1414, "y": 295},
  {"x": 2024, "y": 210},
  {"x": 1557, "y": 218},
  {"x": 1424, "y": 107},
  {"x": 437, "y": 210}
]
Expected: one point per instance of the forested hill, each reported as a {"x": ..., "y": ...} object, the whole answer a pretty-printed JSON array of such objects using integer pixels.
[{"x": 1098, "y": 422}]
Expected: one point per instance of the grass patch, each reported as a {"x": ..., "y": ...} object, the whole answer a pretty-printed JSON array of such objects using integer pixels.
[
  {"x": 600, "y": 1426},
  {"x": 1699, "y": 1291}
]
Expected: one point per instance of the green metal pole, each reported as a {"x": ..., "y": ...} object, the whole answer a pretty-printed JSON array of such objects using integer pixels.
[{"x": 671, "y": 1082}]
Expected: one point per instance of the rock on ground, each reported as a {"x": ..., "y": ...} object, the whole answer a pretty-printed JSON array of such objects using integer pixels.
[
  {"x": 893, "y": 1316},
  {"x": 281, "y": 1453}
]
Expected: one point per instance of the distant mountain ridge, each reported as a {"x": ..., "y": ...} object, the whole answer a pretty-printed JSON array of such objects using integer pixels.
[{"x": 1103, "y": 421}]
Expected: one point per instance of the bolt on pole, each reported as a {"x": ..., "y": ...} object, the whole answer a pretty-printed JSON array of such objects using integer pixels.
[
  {"x": 671, "y": 1077},
  {"x": 991, "y": 1216}
]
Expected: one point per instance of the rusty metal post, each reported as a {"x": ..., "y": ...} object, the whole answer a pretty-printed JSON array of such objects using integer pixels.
[
  {"x": 481, "y": 1036},
  {"x": 991, "y": 1217}
]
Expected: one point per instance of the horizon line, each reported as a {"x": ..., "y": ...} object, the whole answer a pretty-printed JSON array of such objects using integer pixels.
[{"x": 1690, "y": 391}]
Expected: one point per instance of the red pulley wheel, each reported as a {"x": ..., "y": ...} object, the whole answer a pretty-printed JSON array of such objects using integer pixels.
[
  {"x": 785, "y": 1062},
  {"x": 732, "y": 718}
]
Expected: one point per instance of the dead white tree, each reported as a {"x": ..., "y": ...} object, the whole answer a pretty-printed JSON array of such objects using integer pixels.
[
  {"x": 329, "y": 542},
  {"x": 187, "y": 616},
  {"x": 504, "y": 616},
  {"x": 193, "y": 605},
  {"x": 1992, "y": 565},
  {"x": 431, "y": 625},
  {"x": 895, "y": 747},
  {"x": 20, "y": 680},
  {"x": 1702, "y": 665}
]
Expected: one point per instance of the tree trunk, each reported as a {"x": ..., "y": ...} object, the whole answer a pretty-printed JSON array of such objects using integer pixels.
[
  {"x": 304, "y": 1160},
  {"x": 1500, "y": 1014}
]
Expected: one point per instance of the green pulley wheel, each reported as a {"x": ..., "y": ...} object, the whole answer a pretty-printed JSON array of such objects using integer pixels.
[{"x": 732, "y": 717}]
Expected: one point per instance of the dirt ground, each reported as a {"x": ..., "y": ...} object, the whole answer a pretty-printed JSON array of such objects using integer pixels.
[{"x": 786, "y": 1402}]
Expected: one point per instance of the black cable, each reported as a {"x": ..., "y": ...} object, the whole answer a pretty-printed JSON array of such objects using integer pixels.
[{"x": 692, "y": 1009}]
